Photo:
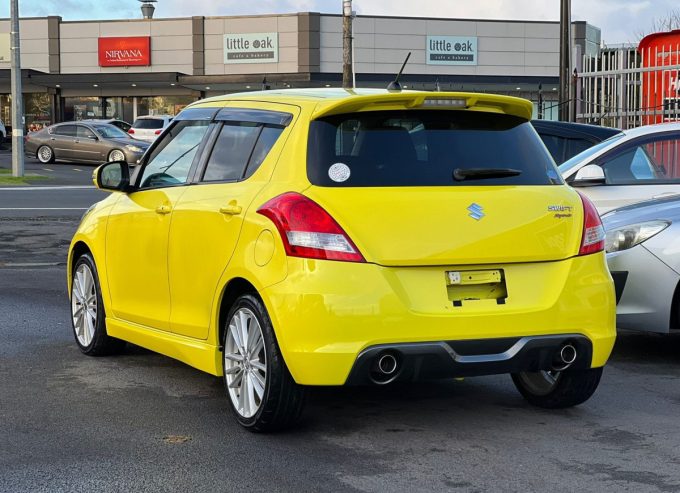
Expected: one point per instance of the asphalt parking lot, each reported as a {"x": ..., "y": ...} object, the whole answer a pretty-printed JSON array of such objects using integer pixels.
[{"x": 144, "y": 422}]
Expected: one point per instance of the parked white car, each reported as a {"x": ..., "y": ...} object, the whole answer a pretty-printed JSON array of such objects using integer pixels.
[
  {"x": 638, "y": 164},
  {"x": 148, "y": 128}
]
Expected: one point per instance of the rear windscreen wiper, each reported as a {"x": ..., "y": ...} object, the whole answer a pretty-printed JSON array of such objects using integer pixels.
[{"x": 461, "y": 174}]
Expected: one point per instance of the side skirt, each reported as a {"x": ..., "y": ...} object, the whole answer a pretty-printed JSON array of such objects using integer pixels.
[{"x": 193, "y": 352}]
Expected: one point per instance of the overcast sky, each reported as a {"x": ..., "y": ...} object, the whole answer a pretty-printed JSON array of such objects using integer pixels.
[{"x": 620, "y": 20}]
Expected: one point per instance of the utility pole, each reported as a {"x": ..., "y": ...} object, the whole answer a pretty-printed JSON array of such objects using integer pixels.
[
  {"x": 17, "y": 100},
  {"x": 565, "y": 97},
  {"x": 347, "y": 72}
]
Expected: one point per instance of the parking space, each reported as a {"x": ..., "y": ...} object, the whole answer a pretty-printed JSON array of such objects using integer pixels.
[{"x": 74, "y": 423}]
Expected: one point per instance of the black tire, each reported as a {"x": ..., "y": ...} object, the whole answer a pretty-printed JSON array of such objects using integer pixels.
[
  {"x": 283, "y": 400},
  {"x": 44, "y": 160},
  {"x": 571, "y": 388},
  {"x": 101, "y": 343}
]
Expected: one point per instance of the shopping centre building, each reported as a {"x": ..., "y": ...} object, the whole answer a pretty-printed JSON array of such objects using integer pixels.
[{"x": 125, "y": 68}]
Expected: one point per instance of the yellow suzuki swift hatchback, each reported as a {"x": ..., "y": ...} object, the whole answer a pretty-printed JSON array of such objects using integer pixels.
[{"x": 293, "y": 238}]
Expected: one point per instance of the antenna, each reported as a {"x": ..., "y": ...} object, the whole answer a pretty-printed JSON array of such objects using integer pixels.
[{"x": 394, "y": 86}]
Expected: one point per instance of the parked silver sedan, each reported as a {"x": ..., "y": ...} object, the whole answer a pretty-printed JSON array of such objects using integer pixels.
[
  {"x": 84, "y": 142},
  {"x": 643, "y": 254}
]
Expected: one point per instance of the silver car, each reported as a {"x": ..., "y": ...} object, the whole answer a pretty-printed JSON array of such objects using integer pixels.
[
  {"x": 84, "y": 142},
  {"x": 635, "y": 165},
  {"x": 643, "y": 254}
]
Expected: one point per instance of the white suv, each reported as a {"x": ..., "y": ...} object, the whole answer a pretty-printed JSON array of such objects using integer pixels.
[{"x": 148, "y": 128}]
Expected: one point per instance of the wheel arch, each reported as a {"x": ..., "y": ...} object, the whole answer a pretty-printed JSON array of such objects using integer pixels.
[
  {"x": 236, "y": 287},
  {"x": 78, "y": 249},
  {"x": 674, "y": 319}
]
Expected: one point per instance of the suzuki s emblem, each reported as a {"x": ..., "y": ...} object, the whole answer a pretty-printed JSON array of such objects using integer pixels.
[{"x": 476, "y": 211}]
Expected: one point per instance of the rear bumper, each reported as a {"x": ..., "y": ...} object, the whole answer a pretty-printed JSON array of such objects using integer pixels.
[
  {"x": 449, "y": 359},
  {"x": 326, "y": 313}
]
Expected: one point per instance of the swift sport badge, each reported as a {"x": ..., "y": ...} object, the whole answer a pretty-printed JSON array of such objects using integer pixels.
[{"x": 476, "y": 211}]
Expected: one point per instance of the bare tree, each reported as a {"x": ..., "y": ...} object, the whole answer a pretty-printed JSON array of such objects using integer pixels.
[{"x": 668, "y": 22}]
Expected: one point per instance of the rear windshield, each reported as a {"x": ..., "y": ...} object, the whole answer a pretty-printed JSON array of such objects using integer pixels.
[
  {"x": 424, "y": 148},
  {"x": 150, "y": 123}
]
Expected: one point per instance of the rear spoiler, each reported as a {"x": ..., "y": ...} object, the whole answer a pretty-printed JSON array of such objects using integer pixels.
[{"x": 490, "y": 103}]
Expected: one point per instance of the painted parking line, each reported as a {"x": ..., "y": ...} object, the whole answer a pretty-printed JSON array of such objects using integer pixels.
[
  {"x": 63, "y": 187},
  {"x": 76, "y": 169},
  {"x": 47, "y": 169},
  {"x": 31, "y": 264}
]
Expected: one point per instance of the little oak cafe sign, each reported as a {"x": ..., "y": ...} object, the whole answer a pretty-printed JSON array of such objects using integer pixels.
[{"x": 125, "y": 52}]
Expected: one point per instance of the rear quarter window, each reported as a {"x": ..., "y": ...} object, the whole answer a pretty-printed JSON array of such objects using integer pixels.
[{"x": 423, "y": 148}]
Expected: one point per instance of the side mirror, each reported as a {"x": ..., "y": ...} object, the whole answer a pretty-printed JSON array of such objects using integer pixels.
[
  {"x": 93, "y": 137},
  {"x": 113, "y": 176},
  {"x": 589, "y": 175}
]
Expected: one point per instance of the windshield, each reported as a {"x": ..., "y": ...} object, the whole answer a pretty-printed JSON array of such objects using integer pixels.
[
  {"x": 111, "y": 132},
  {"x": 427, "y": 148},
  {"x": 585, "y": 155}
]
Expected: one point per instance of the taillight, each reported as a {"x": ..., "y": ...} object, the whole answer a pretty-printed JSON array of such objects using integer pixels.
[
  {"x": 308, "y": 231},
  {"x": 157, "y": 132},
  {"x": 131, "y": 131},
  {"x": 592, "y": 240}
]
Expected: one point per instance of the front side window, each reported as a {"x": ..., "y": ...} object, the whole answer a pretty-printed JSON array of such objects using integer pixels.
[
  {"x": 652, "y": 162},
  {"x": 85, "y": 133},
  {"x": 170, "y": 161},
  {"x": 426, "y": 148}
]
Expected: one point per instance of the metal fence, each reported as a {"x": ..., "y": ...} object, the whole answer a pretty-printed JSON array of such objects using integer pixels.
[{"x": 625, "y": 88}]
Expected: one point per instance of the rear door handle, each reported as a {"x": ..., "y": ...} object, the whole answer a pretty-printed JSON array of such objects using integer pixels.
[
  {"x": 163, "y": 209},
  {"x": 231, "y": 209}
]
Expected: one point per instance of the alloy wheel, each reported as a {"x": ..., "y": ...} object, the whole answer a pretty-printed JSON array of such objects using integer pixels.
[
  {"x": 116, "y": 155},
  {"x": 245, "y": 362},
  {"x": 84, "y": 304},
  {"x": 44, "y": 154}
]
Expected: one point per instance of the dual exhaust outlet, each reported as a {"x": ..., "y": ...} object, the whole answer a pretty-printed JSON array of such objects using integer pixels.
[{"x": 386, "y": 365}]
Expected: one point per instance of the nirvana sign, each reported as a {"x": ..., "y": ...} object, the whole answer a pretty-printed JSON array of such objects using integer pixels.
[
  {"x": 451, "y": 50},
  {"x": 125, "y": 52},
  {"x": 251, "y": 48}
]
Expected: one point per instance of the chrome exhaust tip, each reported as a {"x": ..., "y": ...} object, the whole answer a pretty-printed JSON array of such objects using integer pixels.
[
  {"x": 387, "y": 364},
  {"x": 385, "y": 368},
  {"x": 565, "y": 357}
]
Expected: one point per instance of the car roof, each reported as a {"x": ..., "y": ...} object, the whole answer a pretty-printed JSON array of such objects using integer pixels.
[
  {"x": 571, "y": 129},
  {"x": 329, "y": 101},
  {"x": 154, "y": 117}
]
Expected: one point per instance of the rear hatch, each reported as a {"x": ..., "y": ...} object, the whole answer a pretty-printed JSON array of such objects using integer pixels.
[
  {"x": 147, "y": 128},
  {"x": 387, "y": 177}
]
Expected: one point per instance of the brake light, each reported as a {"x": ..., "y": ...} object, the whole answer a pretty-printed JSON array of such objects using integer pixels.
[
  {"x": 131, "y": 131},
  {"x": 308, "y": 231},
  {"x": 157, "y": 132},
  {"x": 592, "y": 240}
]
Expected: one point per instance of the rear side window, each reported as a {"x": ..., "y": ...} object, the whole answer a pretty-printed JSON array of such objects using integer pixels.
[
  {"x": 148, "y": 123},
  {"x": 423, "y": 148},
  {"x": 239, "y": 150},
  {"x": 69, "y": 130}
]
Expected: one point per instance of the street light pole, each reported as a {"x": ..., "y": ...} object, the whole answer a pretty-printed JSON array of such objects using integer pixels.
[
  {"x": 347, "y": 72},
  {"x": 565, "y": 98},
  {"x": 17, "y": 100}
]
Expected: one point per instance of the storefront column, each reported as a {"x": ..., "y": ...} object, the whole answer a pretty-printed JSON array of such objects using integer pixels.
[{"x": 134, "y": 109}]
